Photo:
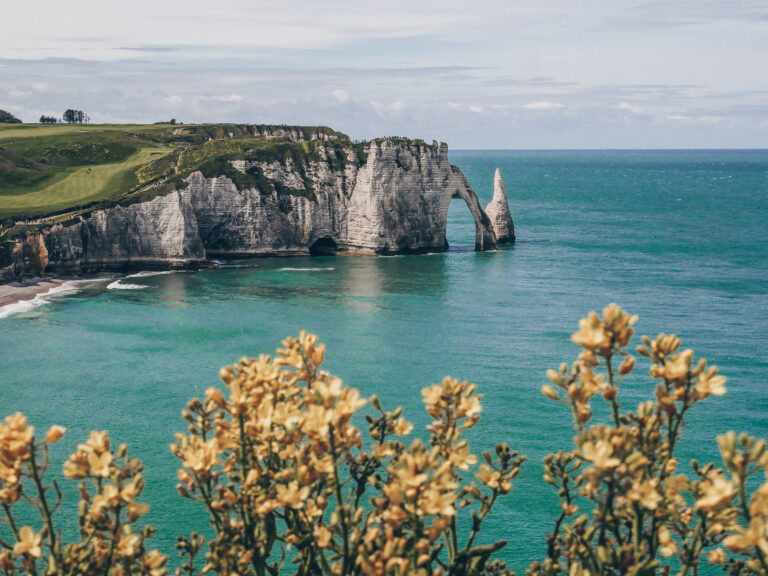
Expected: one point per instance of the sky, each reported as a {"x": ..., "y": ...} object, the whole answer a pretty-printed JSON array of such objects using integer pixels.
[{"x": 494, "y": 74}]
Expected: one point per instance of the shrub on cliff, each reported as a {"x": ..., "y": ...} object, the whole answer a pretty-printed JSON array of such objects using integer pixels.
[
  {"x": 291, "y": 483},
  {"x": 8, "y": 118}
]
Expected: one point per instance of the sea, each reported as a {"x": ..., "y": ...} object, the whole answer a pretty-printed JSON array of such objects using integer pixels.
[{"x": 679, "y": 238}]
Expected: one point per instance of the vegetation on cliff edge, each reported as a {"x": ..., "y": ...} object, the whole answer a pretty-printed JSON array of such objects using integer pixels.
[{"x": 58, "y": 172}]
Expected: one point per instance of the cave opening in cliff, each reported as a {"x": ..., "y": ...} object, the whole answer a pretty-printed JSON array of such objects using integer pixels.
[
  {"x": 460, "y": 227},
  {"x": 323, "y": 247}
]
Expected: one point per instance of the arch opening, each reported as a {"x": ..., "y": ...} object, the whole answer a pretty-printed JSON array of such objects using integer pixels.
[
  {"x": 325, "y": 246},
  {"x": 461, "y": 228}
]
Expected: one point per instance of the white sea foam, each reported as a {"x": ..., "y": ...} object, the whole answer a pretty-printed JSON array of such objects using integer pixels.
[
  {"x": 69, "y": 287},
  {"x": 151, "y": 273},
  {"x": 288, "y": 269},
  {"x": 118, "y": 285}
]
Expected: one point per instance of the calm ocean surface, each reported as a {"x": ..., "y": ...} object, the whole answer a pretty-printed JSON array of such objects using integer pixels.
[{"x": 678, "y": 237}]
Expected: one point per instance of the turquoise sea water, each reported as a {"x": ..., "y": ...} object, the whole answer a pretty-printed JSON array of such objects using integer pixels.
[{"x": 676, "y": 237}]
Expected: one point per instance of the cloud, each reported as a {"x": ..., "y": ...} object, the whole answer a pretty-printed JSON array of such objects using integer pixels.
[
  {"x": 341, "y": 95},
  {"x": 627, "y": 107},
  {"x": 221, "y": 98},
  {"x": 543, "y": 105},
  {"x": 697, "y": 119},
  {"x": 475, "y": 108}
]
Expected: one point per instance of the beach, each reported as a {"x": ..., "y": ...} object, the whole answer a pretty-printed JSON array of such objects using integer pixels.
[{"x": 26, "y": 290}]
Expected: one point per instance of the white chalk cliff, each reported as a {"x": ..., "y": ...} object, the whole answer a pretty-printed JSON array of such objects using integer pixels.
[
  {"x": 393, "y": 200},
  {"x": 498, "y": 212}
]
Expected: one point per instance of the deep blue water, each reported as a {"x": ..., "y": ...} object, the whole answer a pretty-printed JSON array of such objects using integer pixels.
[{"x": 678, "y": 237}]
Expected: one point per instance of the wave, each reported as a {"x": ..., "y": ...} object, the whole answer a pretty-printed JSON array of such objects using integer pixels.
[
  {"x": 151, "y": 273},
  {"x": 65, "y": 289},
  {"x": 118, "y": 285},
  {"x": 289, "y": 269}
]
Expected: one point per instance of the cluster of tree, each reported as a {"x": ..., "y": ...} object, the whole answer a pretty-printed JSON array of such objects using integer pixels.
[
  {"x": 8, "y": 118},
  {"x": 76, "y": 117},
  {"x": 48, "y": 119}
]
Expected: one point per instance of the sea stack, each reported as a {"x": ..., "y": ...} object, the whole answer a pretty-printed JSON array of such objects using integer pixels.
[{"x": 498, "y": 212}]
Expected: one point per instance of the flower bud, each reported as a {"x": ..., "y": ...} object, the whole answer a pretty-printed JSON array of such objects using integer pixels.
[
  {"x": 550, "y": 392},
  {"x": 717, "y": 556},
  {"x": 627, "y": 366},
  {"x": 215, "y": 396},
  {"x": 55, "y": 434},
  {"x": 555, "y": 377}
]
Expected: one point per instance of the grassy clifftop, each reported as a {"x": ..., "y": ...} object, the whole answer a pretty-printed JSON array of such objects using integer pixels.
[{"x": 56, "y": 172}]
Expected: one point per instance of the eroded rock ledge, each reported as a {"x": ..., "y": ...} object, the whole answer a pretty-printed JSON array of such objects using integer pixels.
[{"x": 392, "y": 200}]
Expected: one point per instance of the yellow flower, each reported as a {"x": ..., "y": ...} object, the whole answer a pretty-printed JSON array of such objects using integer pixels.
[
  {"x": 128, "y": 544},
  {"x": 667, "y": 546},
  {"x": 292, "y": 495},
  {"x": 488, "y": 476},
  {"x": 468, "y": 407},
  {"x": 153, "y": 563},
  {"x": 97, "y": 441},
  {"x": 753, "y": 537},
  {"x": 461, "y": 457},
  {"x": 645, "y": 493},
  {"x": 434, "y": 501},
  {"x": 100, "y": 464},
  {"x": 599, "y": 454},
  {"x": 717, "y": 492},
  {"x": 199, "y": 455},
  {"x": 677, "y": 368},
  {"x": 322, "y": 536},
  {"x": 717, "y": 556},
  {"x": 432, "y": 396},
  {"x": 710, "y": 383},
  {"x": 77, "y": 466},
  {"x": 28, "y": 543},
  {"x": 15, "y": 441},
  {"x": 402, "y": 428},
  {"x": 591, "y": 334}
]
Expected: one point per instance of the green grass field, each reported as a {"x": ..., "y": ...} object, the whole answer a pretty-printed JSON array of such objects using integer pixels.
[
  {"x": 63, "y": 170},
  {"x": 80, "y": 186}
]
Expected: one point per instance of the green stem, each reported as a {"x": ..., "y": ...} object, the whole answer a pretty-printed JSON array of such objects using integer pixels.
[
  {"x": 340, "y": 503},
  {"x": 691, "y": 554},
  {"x": 45, "y": 509},
  {"x": 113, "y": 544},
  {"x": 614, "y": 404}
]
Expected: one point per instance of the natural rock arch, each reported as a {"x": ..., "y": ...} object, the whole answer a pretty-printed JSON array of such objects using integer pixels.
[{"x": 485, "y": 238}]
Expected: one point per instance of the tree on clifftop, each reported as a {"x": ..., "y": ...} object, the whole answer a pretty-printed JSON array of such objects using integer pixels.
[
  {"x": 8, "y": 118},
  {"x": 76, "y": 117}
]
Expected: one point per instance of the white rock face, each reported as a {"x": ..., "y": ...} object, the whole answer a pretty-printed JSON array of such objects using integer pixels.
[
  {"x": 498, "y": 212},
  {"x": 395, "y": 202}
]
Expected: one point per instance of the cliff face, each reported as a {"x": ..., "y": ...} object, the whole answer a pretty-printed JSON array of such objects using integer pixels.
[
  {"x": 396, "y": 201},
  {"x": 160, "y": 233},
  {"x": 498, "y": 212}
]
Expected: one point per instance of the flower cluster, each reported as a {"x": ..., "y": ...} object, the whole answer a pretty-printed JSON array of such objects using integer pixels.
[
  {"x": 644, "y": 511},
  {"x": 108, "y": 543},
  {"x": 283, "y": 471}
]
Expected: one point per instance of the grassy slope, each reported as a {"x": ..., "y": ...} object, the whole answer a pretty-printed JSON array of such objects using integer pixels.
[
  {"x": 81, "y": 185},
  {"x": 65, "y": 169}
]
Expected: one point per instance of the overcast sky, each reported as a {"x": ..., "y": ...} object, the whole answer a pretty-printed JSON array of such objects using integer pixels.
[{"x": 479, "y": 74}]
